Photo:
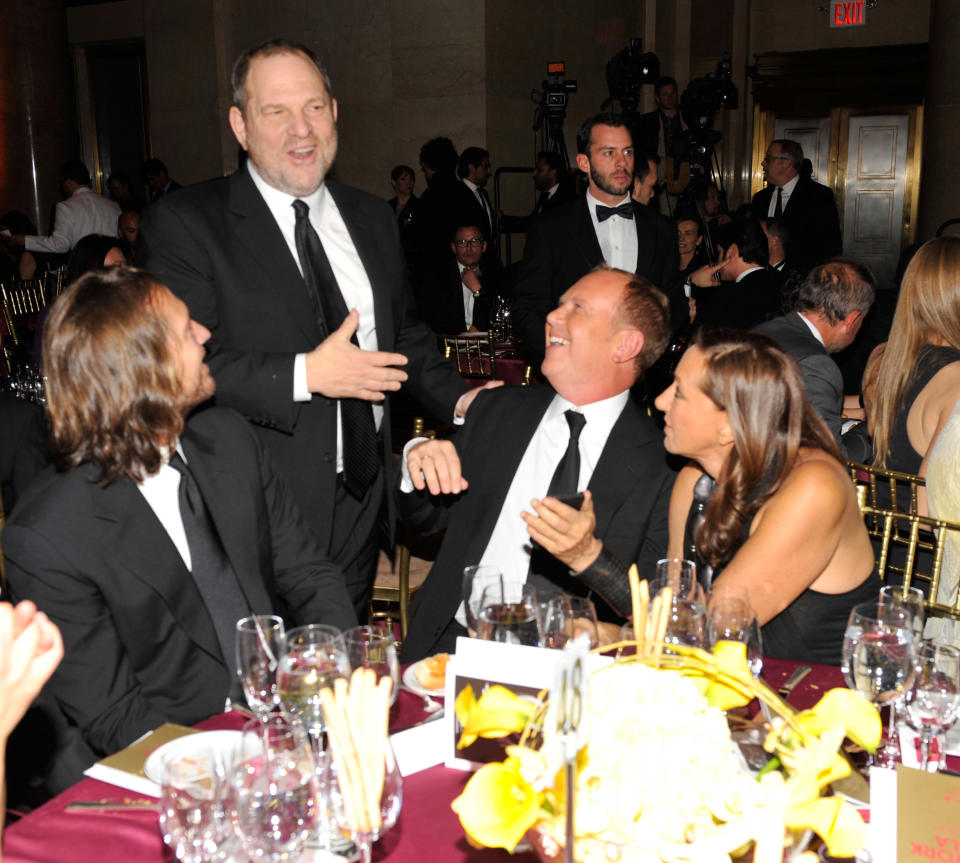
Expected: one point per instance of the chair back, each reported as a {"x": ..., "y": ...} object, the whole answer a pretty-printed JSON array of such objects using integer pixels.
[
  {"x": 913, "y": 533},
  {"x": 902, "y": 487},
  {"x": 473, "y": 353},
  {"x": 56, "y": 281},
  {"x": 21, "y": 299}
]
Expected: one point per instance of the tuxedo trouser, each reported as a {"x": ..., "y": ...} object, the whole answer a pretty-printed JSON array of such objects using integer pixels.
[{"x": 355, "y": 540}]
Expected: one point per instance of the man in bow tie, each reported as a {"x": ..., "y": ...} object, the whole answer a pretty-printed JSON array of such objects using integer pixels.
[{"x": 604, "y": 225}]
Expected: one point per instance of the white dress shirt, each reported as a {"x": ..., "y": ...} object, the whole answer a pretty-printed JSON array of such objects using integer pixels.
[
  {"x": 84, "y": 212},
  {"x": 475, "y": 189},
  {"x": 784, "y": 197},
  {"x": 813, "y": 330},
  {"x": 617, "y": 236},
  {"x": 469, "y": 298},
  {"x": 162, "y": 492},
  {"x": 347, "y": 267}
]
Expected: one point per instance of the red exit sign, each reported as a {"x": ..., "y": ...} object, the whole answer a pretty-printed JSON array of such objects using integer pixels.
[{"x": 848, "y": 13}]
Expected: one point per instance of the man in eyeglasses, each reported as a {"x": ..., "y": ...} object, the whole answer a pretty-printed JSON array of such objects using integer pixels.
[
  {"x": 458, "y": 295},
  {"x": 808, "y": 209}
]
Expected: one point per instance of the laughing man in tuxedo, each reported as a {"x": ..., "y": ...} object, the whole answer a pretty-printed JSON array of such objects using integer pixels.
[
  {"x": 603, "y": 226},
  {"x": 302, "y": 284},
  {"x": 494, "y": 486},
  {"x": 155, "y": 534}
]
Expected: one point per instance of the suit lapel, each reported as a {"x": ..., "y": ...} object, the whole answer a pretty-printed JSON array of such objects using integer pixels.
[
  {"x": 620, "y": 467},
  {"x": 501, "y": 462},
  {"x": 227, "y": 497},
  {"x": 256, "y": 229},
  {"x": 587, "y": 235},
  {"x": 646, "y": 239},
  {"x": 140, "y": 545}
]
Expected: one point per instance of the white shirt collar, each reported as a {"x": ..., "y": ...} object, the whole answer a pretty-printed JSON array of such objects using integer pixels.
[
  {"x": 746, "y": 273},
  {"x": 473, "y": 187},
  {"x": 281, "y": 204},
  {"x": 553, "y": 190},
  {"x": 601, "y": 414},
  {"x": 593, "y": 203},
  {"x": 812, "y": 327},
  {"x": 789, "y": 186}
]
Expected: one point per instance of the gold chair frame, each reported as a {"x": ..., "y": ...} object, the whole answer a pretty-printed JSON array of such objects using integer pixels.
[
  {"x": 23, "y": 298},
  {"x": 474, "y": 353}
]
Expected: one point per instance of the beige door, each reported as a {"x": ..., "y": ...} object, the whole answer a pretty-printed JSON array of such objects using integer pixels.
[{"x": 874, "y": 185}]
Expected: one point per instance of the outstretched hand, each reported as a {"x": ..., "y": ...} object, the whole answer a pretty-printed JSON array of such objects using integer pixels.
[
  {"x": 435, "y": 465},
  {"x": 338, "y": 369},
  {"x": 565, "y": 532}
]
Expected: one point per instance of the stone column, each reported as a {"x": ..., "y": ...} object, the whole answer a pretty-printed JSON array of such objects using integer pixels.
[
  {"x": 37, "y": 110},
  {"x": 941, "y": 124}
]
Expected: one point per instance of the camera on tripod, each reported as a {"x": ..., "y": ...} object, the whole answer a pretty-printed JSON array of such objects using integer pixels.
[{"x": 554, "y": 96}]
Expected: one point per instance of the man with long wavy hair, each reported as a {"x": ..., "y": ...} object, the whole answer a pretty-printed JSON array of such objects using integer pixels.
[{"x": 155, "y": 532}]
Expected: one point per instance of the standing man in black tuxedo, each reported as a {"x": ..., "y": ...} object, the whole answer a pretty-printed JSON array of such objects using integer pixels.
[
  {"x": 302, "y": 285},
  {"x": 661, "y": 133},
  {"x": 458, "y": 296},
  {"x": 807, "y": 208},
  {"x": 474, "y": 170},
  {"x": 523, "y": 446},
  {"x": 604, "y": 226},
  {"x": 555, "y": 186},
  {"x": 155, "y": 534}
]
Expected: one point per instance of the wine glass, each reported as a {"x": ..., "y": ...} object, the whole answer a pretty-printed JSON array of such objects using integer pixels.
[
  {"x": 509, "y": 613},
  {"x": 274, "y": 800},
  {"x": 192, "y": 819},
  {"x": 933, "y": 699},
  {"x": 475, "y": 579},
  {"x": 259, "y": 646},
  {"x": 878, "y": 653},
  {"x": 370, "y": 647},
  {"x": 911, "y": 600},
  {"x": 730, "y": 617},
  {"x": 687, "y": 623},
  {"x": 680, "y": 576},
  {"x": 362, "y": 819},
  {"x": 565, "y": 617},
  {"x": 314, "y": 658}
]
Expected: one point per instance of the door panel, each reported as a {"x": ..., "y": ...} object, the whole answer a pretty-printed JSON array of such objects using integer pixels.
[{"x": 813, "y": 135}]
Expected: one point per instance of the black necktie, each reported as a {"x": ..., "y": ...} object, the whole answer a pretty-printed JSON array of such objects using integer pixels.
[
  {"x": 542, "y": 202},
  {"x": 778, "y": 210},
  {"x": 565, "y": 480},
  {"x": 360, "y": 458},
  {"x": 624, "y": 211},
  {"x": 209, "y": 566}
]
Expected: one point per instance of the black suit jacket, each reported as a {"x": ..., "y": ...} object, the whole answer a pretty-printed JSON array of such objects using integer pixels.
[
  {"x": 218, "y": 248},
  {"x": 140, "y": 646},
  {"x": 812, "y": 220},
  {"x": 566, "y": 192},
  {"x": 821, "y": 379},
  {"x": 631, "y": 489},
  {"x": 440, "y": 299},
  {"x": 739, "y": 305},
  {"x": 21, "y": 447},
  {"x": 562, "y": 247}
]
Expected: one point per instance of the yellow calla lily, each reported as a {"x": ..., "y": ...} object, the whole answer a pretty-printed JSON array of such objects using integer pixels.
[
  {"x": 731, "y": 659},
  {"x": 844, "y": 708},
  {"x": 834, "y": 820},
  {"x": 497, "y": 713},
  {"x": 813, "y": 765},
  {"x": 497, "y": 806}
]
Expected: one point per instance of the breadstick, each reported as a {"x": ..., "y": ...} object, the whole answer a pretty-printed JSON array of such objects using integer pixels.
[{"x": 634, "y": 579}]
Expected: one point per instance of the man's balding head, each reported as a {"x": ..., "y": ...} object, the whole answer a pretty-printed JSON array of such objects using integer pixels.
[{"x": 836, "y": 296}]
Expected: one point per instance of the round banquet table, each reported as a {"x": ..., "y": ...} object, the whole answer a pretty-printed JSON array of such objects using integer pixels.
[{"x": 427, "y": 827}]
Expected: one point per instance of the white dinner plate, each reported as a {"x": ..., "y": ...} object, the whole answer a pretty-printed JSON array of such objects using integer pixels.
[
  {"x": 220, "y": 741},
  {"x": 411, "y": 682}
]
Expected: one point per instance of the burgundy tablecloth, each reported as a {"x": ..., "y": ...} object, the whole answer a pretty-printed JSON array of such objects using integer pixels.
[{"x": 427, "y": 828}]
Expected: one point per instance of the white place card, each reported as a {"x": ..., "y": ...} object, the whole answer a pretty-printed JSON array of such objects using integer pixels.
[{"x": 419, "y": 747}]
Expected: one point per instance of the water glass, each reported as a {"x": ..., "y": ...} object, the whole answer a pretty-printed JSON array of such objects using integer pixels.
[
  {"x": 680, "y": 576},
  {"x": 565, "y": 617},
  {"x": 687, "y": 623},
  {"x": 475, "y": 580},
  {"x": 259, "y": 646},
  {"x": 373, "y": 647},
  {"x": 192, "y": 818},
  {"x": 933, "y": 700},
  {"x": 509, "y": 613},
  {"x": 274, "y": 800},
  {"x": 911, "y": 600},
  {"x": 730, "y": 617}
]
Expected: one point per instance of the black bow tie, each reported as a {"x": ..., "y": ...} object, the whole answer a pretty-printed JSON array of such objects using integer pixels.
[{"x": 624, "y": 211}]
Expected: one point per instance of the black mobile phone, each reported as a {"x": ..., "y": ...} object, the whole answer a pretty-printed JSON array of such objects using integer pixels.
[{"x": 574, "y": 500}]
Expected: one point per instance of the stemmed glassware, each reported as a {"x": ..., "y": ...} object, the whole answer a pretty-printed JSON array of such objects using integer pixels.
[
  {"x": 933, "y": 700},
  {"x": 567, "y": 617},
  {"x": 349, "y": 812},
  {"x": 510, "y": 613},
  {"x": 878, "y": 652},
  {"x": 315, "y": 657},
  {"x": 372, "y": 647},
  {"x": 475, "y": 580},
  {"x": 192, "y": 819},
  {"x": 730, "y": 617},
  {"x": 272, "y": 779},
  {"x": 910, "y": 600},
  {"x": 260, "y": 644}
]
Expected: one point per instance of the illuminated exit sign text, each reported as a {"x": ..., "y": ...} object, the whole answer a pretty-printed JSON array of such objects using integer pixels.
[{"x": 848, "y": 13}]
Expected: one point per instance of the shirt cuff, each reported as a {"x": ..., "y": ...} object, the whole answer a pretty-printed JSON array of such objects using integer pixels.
[
  {"x": 301, "y": 393},
  {"x": 459, "y": 420},
  {"x": 406, "y": 484}
]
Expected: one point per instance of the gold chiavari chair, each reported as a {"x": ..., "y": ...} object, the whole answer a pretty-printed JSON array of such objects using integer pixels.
[
  {"x": 912, "y": 533},
  {"x": 56, "y": 281},
  {"x": 21, "y": 299},
  {"x": 473, "y": 353}
]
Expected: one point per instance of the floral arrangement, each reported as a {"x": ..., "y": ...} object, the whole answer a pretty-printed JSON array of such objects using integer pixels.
[{"x": 659, "y": 777}]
